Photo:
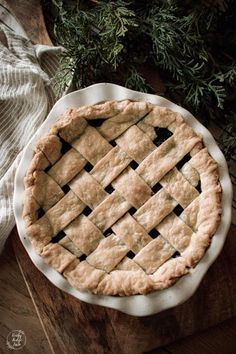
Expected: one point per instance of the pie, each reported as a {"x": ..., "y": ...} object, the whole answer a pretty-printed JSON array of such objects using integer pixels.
[{"x": 121, "y": 197}]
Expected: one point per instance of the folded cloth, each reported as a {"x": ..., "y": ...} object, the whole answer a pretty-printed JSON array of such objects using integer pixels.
[{"x": 26, "y": 96}]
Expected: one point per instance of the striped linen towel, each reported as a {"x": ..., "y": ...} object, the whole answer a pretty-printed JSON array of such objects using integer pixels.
[{"x": 26, "y": 96}]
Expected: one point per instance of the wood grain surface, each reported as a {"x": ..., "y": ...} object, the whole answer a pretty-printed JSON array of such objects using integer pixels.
[
  {"x": 218, "y": 340},
  {"x": 16, "y": 308},
  {"x": 84, "y": 328},
  {"x": 29, "y": 14}
]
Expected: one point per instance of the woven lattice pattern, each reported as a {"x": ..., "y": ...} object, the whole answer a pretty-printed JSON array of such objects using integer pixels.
[{"x": 116, "y": 188}]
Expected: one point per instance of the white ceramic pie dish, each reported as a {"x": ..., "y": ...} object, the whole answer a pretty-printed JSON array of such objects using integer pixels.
[{"x": 137, "y": 305}]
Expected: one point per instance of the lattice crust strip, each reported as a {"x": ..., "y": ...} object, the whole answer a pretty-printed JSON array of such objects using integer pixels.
[{"x": 121, "y": 197}]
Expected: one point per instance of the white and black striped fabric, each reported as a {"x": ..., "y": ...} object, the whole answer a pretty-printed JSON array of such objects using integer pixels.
[{"x": 26, "y": 96}]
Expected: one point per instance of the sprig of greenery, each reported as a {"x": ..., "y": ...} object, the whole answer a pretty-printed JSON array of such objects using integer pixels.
[
  {"x": 136, "y": 81},
  {"x": 93, "y": 38},
  {"x": 191, "y": 43},
  {"x": 114, "y": 21},
  {"x": 228, "y": 137}
]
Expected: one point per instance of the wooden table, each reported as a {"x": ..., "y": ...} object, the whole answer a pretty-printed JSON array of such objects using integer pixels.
[{"x": 71, "y": 326}]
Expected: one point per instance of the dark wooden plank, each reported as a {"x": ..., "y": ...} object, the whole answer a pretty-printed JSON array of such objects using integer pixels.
[
  {"x": 29, "y": 14},
  {"x": 16, "y": 308},
  {"x": 220, "y": 340},
  {"x": 77, "y": 327}
]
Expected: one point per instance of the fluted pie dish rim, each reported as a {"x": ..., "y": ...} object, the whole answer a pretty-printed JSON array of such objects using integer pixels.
[{"x": 156, "y": 301}]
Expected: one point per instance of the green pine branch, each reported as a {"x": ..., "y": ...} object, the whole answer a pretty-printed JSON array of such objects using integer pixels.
[{"x": 191, "y": 44}]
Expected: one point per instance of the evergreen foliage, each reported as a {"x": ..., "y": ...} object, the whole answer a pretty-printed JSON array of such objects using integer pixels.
[{"x": 192, "y": 44}]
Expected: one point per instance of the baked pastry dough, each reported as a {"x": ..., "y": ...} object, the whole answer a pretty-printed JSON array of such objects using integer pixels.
[{"x": 121, "y": 197}]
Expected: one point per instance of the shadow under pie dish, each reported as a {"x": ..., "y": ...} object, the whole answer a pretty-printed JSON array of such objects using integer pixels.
[{"x": 121, "y": 197}]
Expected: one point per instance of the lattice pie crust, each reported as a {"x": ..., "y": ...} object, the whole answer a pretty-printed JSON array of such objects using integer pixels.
[{"x": 121, "y": 197}]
